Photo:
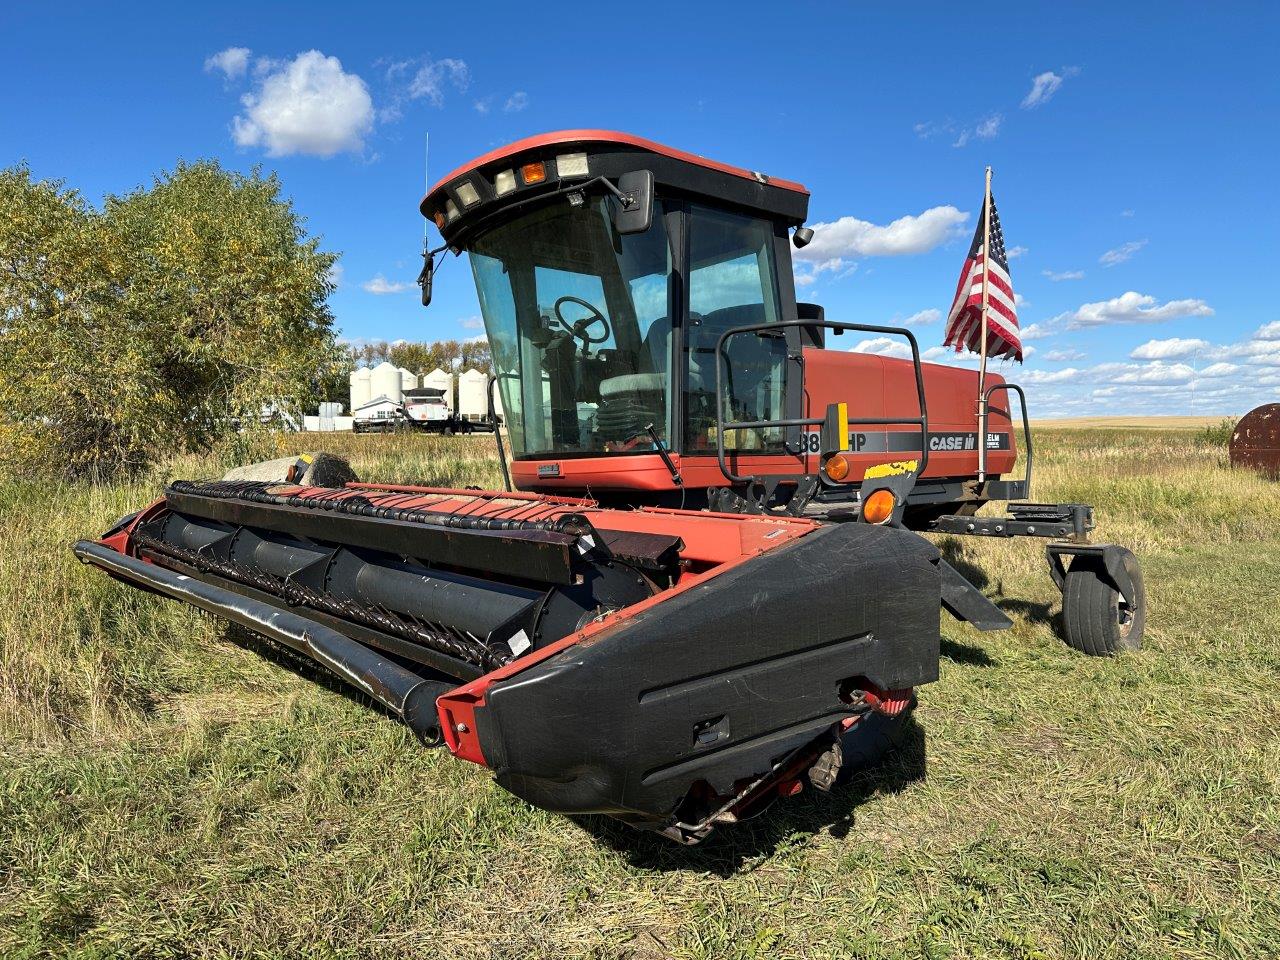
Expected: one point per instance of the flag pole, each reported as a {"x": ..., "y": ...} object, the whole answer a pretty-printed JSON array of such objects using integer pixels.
[{"x": 982, "y": 319}]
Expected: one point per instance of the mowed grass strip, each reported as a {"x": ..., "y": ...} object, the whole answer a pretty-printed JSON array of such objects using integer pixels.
[{"x": 166, "y": 791}]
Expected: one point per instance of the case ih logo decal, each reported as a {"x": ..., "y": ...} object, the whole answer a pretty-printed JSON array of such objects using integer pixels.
[
  {"x": 900, "y": 440},
  {"x": 548, "y": 469}
]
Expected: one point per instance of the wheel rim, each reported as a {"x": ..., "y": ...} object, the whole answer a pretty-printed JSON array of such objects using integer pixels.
[{"x": 1124, "y": 616}]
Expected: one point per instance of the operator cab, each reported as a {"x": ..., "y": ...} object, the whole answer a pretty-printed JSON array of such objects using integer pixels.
[{"x": 607, "y": 267}]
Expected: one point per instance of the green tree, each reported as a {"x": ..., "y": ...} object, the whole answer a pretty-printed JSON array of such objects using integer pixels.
[
  {"x": 156, "y": 323},
  {"x": 422, "y": 358}
]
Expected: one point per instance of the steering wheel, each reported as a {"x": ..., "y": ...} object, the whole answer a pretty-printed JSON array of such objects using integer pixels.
[{"x": 579, "y": 328}]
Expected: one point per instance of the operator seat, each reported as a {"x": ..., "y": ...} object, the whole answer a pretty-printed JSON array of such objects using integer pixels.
[
  {"x": 629, "y": 402},
  {"x": 651, "y": 365}
]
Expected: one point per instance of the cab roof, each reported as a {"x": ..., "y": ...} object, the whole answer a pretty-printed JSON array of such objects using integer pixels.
[{"x": 610, "y": 153}]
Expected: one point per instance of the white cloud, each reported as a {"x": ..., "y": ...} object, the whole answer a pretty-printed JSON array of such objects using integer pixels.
[
  {"x": 1157, "y": 387},
  {"x": 922, "y": 318},
  {"x": 1063, "y": 356},
  {"x": 1044, "y": 86},
  {"x": 472, "y": 323},
  {"x": 431, "y": 79},
  {"x": 1121, "y": 253},
  {"x": 1038, "y": 331},
  {"x": 307, "y": 105},
  {"x": 933, "y": 128},
  {"x": 850, "y": 237},
  {"x": 1064, "y": 275},
  {"x": 1166, "y": 384},
  {"x": 516, "y": 102},
  {"x": 1131, "y": 307},
  {"x": 1253, "y": 350},
  {"x": 1219, "y": 370},
  {"x": 1126, "y": 213},
  {"x": 986, "y": 129},
  {"x": 335, "y": 275},
  {"x": 1175, "y": 348},
  {"x": 1269, "y": 331},
  {"x": 1019, "y": 300},
  {"x": 232, "y": 62},
  {"x": 380, "y": 286},
  {"x": 1049, "y": 376},
  {"x": 835, "y": 265},
  {"x": 1013, "y": 253},
  {"x": 1156, "y": 372},
  {"x": 884, "y": 347},
  {"x": 483, "y": 106}
]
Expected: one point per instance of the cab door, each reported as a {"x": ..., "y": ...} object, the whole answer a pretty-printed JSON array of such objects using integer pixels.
[{"x": 732, "y": 281}]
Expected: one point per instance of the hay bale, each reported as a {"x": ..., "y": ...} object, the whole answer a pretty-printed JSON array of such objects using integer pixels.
[{"x": 317, "y": 469}]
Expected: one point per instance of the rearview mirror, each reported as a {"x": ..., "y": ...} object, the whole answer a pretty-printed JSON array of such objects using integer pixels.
[
  {"x": 633, "y": 213},
  {"x": 424, "y": 278}
]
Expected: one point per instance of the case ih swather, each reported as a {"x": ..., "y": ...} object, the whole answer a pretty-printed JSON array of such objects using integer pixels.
[{"x": 705, "y": 585}]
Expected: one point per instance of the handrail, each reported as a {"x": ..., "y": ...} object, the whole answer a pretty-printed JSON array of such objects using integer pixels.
[
  {"x": 722, "y": 426},
  {"x": 1026, "y": 426},
  {"x": 497, "y": 432}
]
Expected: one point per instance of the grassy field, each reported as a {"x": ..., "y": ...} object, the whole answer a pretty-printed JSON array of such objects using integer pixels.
[
  {"x": 1133, "y": 423},
  {"x": 166, "y": 792}
]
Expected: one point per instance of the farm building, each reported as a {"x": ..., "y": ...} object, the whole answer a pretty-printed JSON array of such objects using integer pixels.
[{"x": 380, "y": 407}]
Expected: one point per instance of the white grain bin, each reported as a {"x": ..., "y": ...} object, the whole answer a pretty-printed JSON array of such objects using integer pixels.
[
  {"x": 360, "y": 387},
  {"x": 473, "y": 395},
  {"x": 385, "y": 382},
  {"x": 408, "y": 380},
  {"x": 437, "y": 379}
]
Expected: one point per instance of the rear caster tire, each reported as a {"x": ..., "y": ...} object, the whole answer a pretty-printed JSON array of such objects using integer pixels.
[{"x": 1096, "y": 619}]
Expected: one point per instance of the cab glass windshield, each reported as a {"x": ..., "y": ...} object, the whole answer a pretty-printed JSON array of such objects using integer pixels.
[{"x": 576, "y": 316}]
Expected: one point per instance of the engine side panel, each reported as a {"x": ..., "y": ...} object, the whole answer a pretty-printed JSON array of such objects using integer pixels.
[
  {"x": 872, "y": 386},
  {"x": 876, "y": 386}
]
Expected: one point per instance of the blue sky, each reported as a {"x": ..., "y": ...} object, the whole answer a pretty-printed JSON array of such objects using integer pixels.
[{"x": 1134, "y": 149}]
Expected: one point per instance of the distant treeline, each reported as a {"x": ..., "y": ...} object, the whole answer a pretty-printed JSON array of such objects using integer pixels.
[{"x": 422, "y": 358}]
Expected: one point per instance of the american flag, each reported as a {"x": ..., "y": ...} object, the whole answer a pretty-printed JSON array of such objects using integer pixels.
[{"x": 963, "y": 329}]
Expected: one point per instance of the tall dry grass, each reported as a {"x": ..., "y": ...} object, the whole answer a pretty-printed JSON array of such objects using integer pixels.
[{"x": 166, "y": 791}]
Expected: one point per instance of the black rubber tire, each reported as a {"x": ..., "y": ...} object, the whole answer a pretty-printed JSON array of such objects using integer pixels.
[
  {"x": 1095, "y": 619},
  {"x": 448, "y": 431}
]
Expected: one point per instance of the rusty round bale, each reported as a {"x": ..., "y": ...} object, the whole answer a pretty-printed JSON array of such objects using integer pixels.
[{"x": 1255, "y": 443}]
